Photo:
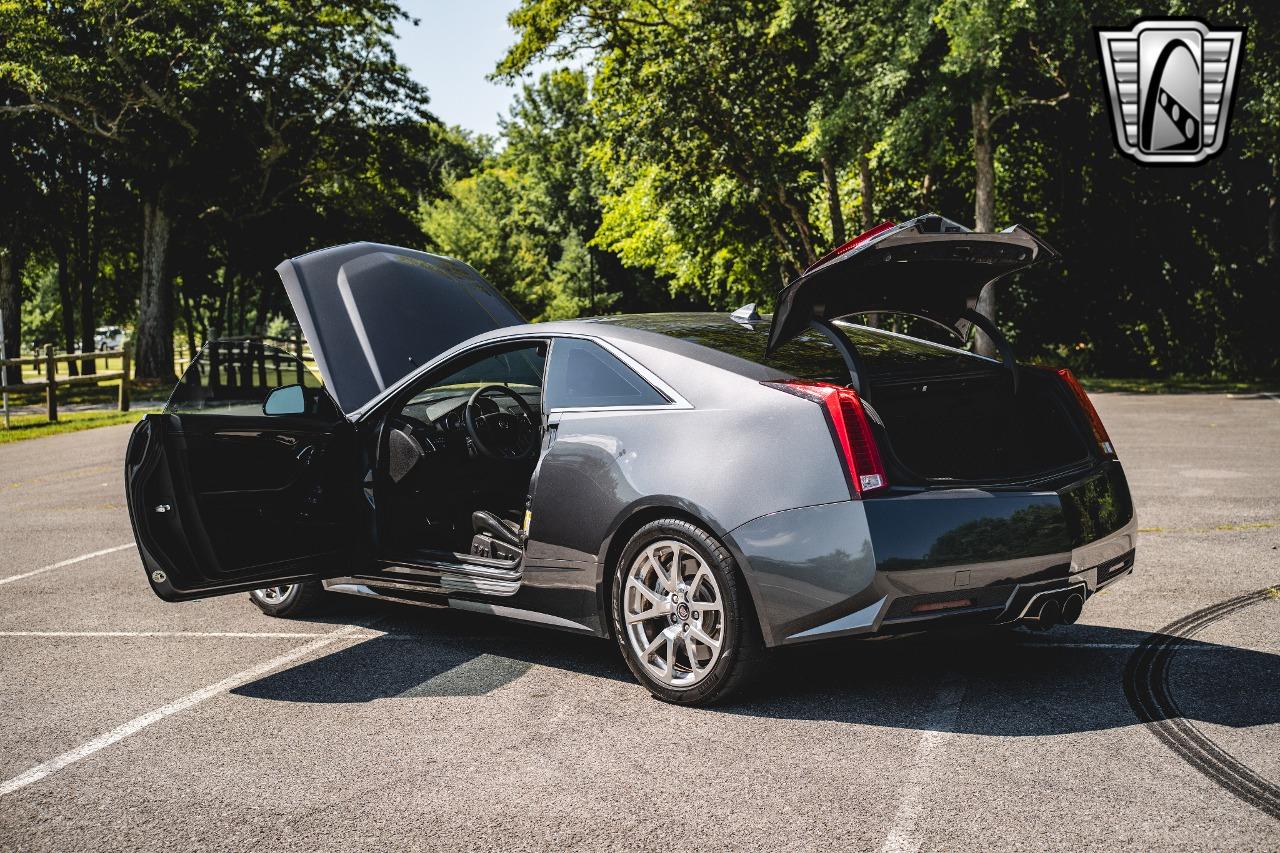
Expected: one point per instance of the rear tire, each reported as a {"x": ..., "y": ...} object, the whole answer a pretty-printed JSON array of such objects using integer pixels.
[
  {"x": 287, "y": 602},
  {"x": 693, "y": 637}
]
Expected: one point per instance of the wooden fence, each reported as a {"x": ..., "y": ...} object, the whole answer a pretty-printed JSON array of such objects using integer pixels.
[
  {"x": 227, "y": 365},
  {"x": 254, "y": 362},
  {"x": 49, "y": 361}
]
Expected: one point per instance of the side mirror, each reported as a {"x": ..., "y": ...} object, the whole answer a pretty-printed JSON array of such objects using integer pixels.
[{"x": 287, "y": 400}]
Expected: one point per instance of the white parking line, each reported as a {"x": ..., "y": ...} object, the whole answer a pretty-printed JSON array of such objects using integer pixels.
[
  {"x": 903, "y": 836},
  {"x": 59, "y": 565},
  {"x": 270, "y": 635},
  {"x": 119, "y": 733}
]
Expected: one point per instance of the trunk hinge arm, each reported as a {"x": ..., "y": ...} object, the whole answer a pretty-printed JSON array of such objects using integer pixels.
[
  {"x": 859, "y": 380},
  {"x": 998, "y": 338}
]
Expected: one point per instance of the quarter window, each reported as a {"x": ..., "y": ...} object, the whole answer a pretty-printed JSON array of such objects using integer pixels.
[{"x": 584, "y": 375}]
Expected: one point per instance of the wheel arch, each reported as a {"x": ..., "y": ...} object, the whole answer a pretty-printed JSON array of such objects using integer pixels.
[{"x": 652, "y": 509}]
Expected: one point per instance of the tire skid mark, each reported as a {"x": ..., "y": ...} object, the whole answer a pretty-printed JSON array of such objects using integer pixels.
[{"x": 1146, "y": 685}]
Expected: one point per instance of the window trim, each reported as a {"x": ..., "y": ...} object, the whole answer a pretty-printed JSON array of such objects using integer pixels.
[
  {"x": 377, "y": 406},
  {"x": 675, "y": 400}
]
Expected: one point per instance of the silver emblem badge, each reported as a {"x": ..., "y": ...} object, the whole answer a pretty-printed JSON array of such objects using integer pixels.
[{"x": 1169, "y": 83}]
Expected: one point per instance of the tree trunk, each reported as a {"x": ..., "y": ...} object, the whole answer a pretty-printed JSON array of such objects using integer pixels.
[
  {"x": 833, "y": 202},
  {"x": 87, "y": 271},
  {"x": 801, "y": 219},
  {"x": 1273, "y": 211},
  {"x": 194, "y": 280},
  {"x": 11, "y": 263},
  {"x": 153, "y": 340},
  {"x": 984, "y": 203},
  {"x": 66, "y": 301},
  {"x": 867, "y": 189}
]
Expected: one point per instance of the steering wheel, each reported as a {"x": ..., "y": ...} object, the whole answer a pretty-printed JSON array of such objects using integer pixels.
[{"x": 498, "y": 434}]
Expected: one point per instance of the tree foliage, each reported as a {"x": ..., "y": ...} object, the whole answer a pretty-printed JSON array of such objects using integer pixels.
[{"x": 165, "y": 155}]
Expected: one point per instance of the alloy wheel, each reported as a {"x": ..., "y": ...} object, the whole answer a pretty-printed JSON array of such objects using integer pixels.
[
  {"x": 674, "y": 613},
  {"x": 274, "y": 595}
]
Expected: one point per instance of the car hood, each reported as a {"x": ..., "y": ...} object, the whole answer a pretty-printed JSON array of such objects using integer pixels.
[
  {"x": 373, "y": 313},
  {"x": 929, "y": 266}
]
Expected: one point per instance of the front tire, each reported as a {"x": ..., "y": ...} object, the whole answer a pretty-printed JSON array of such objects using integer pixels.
[
  {"x": 682, "y": 619},
  {"x": 293, "y": 600}
]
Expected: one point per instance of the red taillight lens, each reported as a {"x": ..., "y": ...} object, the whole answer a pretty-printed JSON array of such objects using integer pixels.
[
  {"x": 869, "y": 234},
  {"x": 848, "y": 421},
  {"x": 1099, "y": 431}
]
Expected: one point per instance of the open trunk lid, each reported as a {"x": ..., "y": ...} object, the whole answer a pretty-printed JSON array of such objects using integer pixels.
[
  {"x": 373, "y": 313},
  {"x": 929, "y": 267}
]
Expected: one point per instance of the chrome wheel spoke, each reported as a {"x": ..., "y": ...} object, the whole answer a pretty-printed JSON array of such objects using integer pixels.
[
  {"x": 654, "y": 598},
  {"x": 646, "y": 615},
  {"x": 707, "y": 607},
  {"x": 698, "y": 634},
  {"x": 652, "y": 555},
  {"x": 273, "y": 594},
  {"x": 693, "y": 655},
  {"x": 669, "y": 675}
]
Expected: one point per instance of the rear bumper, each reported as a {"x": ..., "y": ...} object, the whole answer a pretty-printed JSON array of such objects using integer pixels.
[{"x": 914, "y": 561}]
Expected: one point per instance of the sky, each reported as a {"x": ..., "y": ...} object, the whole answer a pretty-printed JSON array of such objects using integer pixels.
[{"x": 455, "y": 45}]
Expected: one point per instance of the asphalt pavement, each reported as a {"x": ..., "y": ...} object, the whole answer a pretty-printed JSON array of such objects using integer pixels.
[{"x": 1154, "y": 723}]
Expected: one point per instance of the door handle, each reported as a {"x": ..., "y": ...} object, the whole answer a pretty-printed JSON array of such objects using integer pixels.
[{"x": 164, "y": 508}]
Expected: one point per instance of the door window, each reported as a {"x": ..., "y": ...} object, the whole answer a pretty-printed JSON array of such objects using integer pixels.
[
  {"x": 583, "y": 374},
  {"x": 519, "y": 368},
  {"x": 250, "y": 378}
]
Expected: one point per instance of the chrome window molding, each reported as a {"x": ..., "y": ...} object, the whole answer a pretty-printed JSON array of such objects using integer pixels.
[{"x": 677, "y": 400}]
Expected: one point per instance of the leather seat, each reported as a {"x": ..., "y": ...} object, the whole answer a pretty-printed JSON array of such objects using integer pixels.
[{"x": 500, "y": 529}]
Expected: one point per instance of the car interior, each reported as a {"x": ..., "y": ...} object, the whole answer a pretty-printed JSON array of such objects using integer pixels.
[{"x": 457, "y": 458}]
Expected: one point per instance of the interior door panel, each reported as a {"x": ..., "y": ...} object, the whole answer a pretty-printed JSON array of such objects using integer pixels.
[{"x": 226, "y": 497}]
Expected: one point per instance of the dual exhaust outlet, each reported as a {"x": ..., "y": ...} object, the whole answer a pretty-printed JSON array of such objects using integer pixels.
[{"x": 1061, "y": 608}]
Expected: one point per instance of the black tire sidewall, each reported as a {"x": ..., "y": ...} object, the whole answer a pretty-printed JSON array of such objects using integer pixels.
[{"x": 737, "y": 632}]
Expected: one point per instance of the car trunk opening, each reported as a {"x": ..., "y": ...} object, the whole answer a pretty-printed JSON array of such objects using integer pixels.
[
  {"x": 942, "y": 416},
  {"x": 974, "y": 428}
]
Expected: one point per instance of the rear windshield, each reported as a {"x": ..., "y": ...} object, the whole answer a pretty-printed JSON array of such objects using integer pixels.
[{"x": 809, "y": 356}]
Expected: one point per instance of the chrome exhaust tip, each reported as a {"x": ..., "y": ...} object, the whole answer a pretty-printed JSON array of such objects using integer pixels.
[
  {"x": 1050, "y": 615},
  {"x": 1072, "y": 607}
]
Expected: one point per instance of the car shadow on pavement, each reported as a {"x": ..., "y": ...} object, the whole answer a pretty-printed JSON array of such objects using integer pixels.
[
  {"x": 1012, "y": 683},
  {"x": 432, "y": 653}
]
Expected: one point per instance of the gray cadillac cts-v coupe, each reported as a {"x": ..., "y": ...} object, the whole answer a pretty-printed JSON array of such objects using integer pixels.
[{"x": 701, "y": 487}]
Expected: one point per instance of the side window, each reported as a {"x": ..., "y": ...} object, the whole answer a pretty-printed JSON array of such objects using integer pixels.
[
  {"x": 518, "y": 367},
  {"x": 236, "y": 377},
  {"x": 584, "y": 375}
]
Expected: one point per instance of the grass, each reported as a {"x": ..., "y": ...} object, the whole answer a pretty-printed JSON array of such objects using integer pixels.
[
  {"x": 38, "y": 426},
  {"x": 1178, "y": 385},
  {"x": 99, "y": 392}
]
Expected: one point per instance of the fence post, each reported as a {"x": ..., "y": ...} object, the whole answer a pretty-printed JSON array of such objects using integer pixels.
[
  {"x": 51, "y": 387},
  {"x": 123, "y": 403}
]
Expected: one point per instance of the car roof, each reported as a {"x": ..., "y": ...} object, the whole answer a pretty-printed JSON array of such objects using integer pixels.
[{"x": 653, "y": 338}]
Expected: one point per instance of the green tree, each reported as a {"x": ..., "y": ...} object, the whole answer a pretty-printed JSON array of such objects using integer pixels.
[{"x": 166, "y": 83}]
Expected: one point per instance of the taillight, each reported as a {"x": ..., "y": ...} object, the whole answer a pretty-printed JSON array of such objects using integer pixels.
[
  {"x": 845, "y": 248},
  {"x": 852, "y": 431},
  {"x": 1099, "y": 431}
]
